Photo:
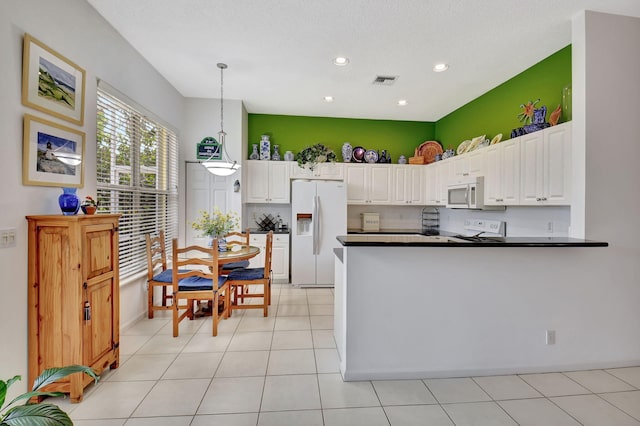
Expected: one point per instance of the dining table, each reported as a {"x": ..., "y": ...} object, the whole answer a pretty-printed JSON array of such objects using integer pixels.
[{"x": 235, "y": 254}]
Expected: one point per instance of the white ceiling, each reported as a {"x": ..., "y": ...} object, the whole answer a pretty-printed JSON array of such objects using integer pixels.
[{"x": 280, "y": 52}]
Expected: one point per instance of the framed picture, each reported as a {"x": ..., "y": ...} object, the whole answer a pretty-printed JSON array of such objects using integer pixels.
[
  {"x": 53, "y": 155},
  {"x": 51, "y": 83}
]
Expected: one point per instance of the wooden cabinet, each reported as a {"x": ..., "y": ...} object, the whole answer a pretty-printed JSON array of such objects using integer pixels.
[
  {"x": 268, "y": 182},
  {"x": 279, "y": 256},
  {"x": 368, "y": 183},
  {"x": 408, "y": 184},
  {"x": 546, "y": 166},
  {"x": 502, "y": 178},
  {"x": 73, "y": 296}
]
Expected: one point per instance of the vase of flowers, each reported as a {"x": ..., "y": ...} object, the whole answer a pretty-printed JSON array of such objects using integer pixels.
[
  {"x": 216, "y": 225},
  {"x": 309, "y": 157},
  {"x": 89, "y": 205}
]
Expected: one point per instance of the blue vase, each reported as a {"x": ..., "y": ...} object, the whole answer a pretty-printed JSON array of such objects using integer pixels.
[{"x": 69, "y": 202}]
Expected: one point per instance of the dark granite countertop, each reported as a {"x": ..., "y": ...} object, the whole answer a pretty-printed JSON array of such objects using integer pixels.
[
  {"x": 448, "y": 240},
  {"x": 279, "y": 231}
]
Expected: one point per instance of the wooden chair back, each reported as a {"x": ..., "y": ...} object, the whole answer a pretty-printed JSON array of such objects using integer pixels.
[
  {"x": 250, "y": 277},
  {"x": 196, "y": 262},
  {"x": 156, "y": 253},
  {"x": 237, "y": 238}
]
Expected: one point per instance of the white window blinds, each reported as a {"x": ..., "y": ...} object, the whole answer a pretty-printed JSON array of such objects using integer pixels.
[{"x": 137, "y": 176}]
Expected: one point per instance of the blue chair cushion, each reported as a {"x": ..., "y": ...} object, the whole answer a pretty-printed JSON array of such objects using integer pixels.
[
  {"x": 199, "y": 283},
  {"x": 246, "y": 274},
  {"x": 167, "y": 276},
  {"x": 236, "y": 265}
]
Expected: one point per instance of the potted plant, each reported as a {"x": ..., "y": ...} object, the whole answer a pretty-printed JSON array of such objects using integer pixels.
[
  {"x": 89, "y": 205},
  {"x": 312, "y": 155},
  {"x": 216, "y": 225},
  {"x": 39, "y": 413}
]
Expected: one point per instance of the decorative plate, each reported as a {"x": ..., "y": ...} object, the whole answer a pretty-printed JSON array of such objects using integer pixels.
[
  {"x": 358, "y": 154},
  {"x": 463, "y": 147},
  {"x": 474, "y": 143},
  {"x": 496, "y": 139},
  {"x": 371, "y": 156},
  {"x": 429, "y": 150}
]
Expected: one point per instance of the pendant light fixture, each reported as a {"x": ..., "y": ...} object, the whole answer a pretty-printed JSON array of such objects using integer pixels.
[{"x": 224, "y": 166}]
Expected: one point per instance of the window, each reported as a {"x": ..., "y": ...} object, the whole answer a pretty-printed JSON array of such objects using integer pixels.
[{"x": 137, "y": 175}]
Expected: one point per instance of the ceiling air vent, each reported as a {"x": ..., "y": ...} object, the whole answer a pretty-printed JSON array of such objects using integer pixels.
[{"x": 385, "y": 80}]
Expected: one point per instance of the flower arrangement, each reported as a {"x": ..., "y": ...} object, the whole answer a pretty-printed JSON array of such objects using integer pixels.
[
  {"x": 89, "y": 201},
  {"x": 312, "y": 155},
  {"x": 216, "y": 224},
  {"x": 89, "y": 205}
]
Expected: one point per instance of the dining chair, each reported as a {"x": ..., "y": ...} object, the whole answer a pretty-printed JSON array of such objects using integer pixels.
[
  {"x": 253, "y": 276},
  {"x": 236, "y": 239},
  {"x": 201, "y": 283},
  {"x": 157, "y": 256}
]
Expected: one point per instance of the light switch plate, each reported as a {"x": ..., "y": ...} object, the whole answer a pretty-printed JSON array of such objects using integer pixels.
[{"x": 7, "y": 237}]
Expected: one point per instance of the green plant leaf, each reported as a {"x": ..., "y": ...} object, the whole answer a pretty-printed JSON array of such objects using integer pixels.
[
  {"x": 51, "y": 375},
  {"x": 36, "y": 415},
  {"x": 4, "y": 387}
]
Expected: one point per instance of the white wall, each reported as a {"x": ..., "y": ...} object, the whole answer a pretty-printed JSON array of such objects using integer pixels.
[{"x": 74, "y": 29}]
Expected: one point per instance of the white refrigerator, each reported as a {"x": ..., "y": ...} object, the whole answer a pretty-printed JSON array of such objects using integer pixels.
[{"x": 319, "y": 214}]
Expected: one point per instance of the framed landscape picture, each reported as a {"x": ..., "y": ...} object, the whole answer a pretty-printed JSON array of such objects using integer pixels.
[
  {"x": 53, "y": 155},
  {"x": 51, "y": 83}
]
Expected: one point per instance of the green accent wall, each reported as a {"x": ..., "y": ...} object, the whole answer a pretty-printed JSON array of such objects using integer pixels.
[
  {"x": 294, "y": 133},
  {"x": 497, "y": 110},
  {"x": 494, "y": 112}
]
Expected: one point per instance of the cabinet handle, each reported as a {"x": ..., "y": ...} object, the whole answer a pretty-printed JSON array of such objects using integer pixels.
[
  {"x": 544, "y": 198},
  {"x": 538, "y": 199}
]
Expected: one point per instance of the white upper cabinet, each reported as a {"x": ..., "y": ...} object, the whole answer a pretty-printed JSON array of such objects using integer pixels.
[
  {"x": 467, "y": 166},
  {"x": 502, "y": 173},
  {"x": 546, "y": 166},
  {"x": 368, "y": 183},
  {"x": 437, "y": 177},
  {"x": 268, "y": 182},
  {"x": 408, "y": 184},
  {"x": 324, "y": 171}
]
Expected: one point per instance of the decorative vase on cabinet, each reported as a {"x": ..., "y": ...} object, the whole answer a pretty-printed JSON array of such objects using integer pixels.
[
  {"x": 265, "y": 148},
  {"x": 347, "y": 151},
  {"x": 288, "y": 156},
  {"x": 254, "y": 155},
  {"x": 69, "y": 202},
  {"x": 276, "y": 153}
]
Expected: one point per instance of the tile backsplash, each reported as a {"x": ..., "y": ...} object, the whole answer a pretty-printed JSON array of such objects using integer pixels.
[{"x": 521, "y": 221}]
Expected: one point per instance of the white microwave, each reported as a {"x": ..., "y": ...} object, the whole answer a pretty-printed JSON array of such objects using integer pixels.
[{"x": 468, "y": 195}]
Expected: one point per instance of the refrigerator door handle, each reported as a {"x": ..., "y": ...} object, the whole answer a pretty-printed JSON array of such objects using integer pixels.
[{"x": 316, "y": 224}]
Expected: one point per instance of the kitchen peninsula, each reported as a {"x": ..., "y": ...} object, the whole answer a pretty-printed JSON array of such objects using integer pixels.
[{"x": 419, "y": 307}]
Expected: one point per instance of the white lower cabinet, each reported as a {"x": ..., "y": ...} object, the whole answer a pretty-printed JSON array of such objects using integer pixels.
[
  {"x": 279, "y": 256},
  {"x": 546, "y": 166}
]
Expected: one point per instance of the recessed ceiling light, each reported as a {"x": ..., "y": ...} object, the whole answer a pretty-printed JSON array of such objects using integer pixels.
[
  {"x": 402, "y": 102},
  {"x": 341, "y": 61},
  {"x": 328, "y": 98},
  {"x": 440, "y": 67}
]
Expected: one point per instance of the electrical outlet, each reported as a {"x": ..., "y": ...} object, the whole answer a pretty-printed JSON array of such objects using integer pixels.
[
  {"x": 551, "y": 337},
  {"x": 7, "y": 237}
]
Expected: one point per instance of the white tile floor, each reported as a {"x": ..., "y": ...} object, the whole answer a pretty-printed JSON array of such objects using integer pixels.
[{"x": 283, "y": 370}]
